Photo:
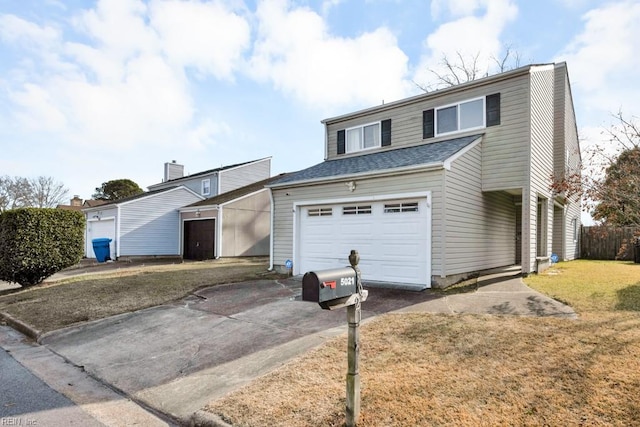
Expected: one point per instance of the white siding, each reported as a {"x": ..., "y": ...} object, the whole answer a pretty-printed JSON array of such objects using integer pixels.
[
  {"x": 480, "y": 226},
  {"x": 194, "y": 184},
  {"x": 542, "y": 167},
  {"x": 244, "y": 175},
  {"x": 150, "y": 225},
  {"x": 567, "y": 157},
  {"x": 393, "y": 185}
]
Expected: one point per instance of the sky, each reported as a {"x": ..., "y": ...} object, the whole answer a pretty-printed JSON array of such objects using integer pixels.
[{"x": 92, "y": 91}]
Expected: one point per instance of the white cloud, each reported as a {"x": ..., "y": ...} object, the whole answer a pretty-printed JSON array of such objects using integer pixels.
[
  {"x": 124, "y": 85},
  {"x": 15, "y": 30},
  {"x": 296, "y": 52},
  {"x": 206, "y": 36},
  {"x": 469, "y": 35},
  {"x": 605, "y": 57}
]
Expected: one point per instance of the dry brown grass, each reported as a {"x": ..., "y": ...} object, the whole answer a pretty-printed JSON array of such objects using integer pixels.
[
  {"x": 436, "y": 370},
  {"x": 53, "y": 306}
]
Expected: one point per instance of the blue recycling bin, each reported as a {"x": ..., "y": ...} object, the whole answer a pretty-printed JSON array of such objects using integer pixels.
[{"x": 101, "y": 249}]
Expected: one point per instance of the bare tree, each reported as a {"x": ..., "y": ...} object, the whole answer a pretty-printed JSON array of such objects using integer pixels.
[
  {"x": 46, "y": 192},
  {"x": 466, "y": 68},
  {"x": 14, "y": 192},
  {"x": 20, "y": 192}
]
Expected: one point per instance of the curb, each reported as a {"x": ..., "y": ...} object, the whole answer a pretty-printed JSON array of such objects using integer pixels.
[{"x": 20, "y": 326}]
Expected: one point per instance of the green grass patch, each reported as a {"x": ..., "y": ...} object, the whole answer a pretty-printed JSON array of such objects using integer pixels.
[{"x": 590, "y": 286}]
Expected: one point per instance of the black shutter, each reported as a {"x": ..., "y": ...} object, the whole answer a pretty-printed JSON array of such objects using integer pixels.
[
  {"x": 428, "y": 128},
  {"x": 341, "y": 146},
  {"x": 386, "y": 132},
  {"x": 493, "y": 109}
]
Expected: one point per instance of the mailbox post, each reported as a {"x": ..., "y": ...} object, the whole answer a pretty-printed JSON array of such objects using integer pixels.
[{"x": 338, "y": 288}]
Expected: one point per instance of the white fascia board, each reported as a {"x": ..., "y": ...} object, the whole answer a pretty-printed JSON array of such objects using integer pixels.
[
  {"x": 371, "y": 174},
  {"x": 197, "y": 208},
  {"x": 455, "y": 156}
]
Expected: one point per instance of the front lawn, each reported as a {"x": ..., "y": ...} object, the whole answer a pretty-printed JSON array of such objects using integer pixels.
[
  {"x": 85, "y": 298},
  {"x": 468, "y": 370}
]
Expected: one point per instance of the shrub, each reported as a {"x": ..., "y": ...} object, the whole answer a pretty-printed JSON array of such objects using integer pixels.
[{"x": 38, "y": 242}]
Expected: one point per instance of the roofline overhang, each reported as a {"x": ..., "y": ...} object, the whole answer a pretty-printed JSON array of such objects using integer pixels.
[
  {"x": 522, "y": 71},
  {"x": 372, "y": 174}
]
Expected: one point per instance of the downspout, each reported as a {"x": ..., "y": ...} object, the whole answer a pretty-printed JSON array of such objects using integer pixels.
[
  {"x": 219, "y": 232},
  {"x": 118, "y": 232},
  {"x": 271, "y": 214}
]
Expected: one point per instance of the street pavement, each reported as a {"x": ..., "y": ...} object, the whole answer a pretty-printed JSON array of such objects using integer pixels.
[
  {"x": 25, "y": 400},
  {"x": 176, "y": 358}
]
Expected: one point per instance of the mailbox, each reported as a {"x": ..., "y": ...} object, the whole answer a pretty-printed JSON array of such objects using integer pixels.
[{"x": 328, "y": 286}]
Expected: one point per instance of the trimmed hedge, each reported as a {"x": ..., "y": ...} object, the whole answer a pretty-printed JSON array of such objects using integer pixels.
[{"x": 38, "y": 242}]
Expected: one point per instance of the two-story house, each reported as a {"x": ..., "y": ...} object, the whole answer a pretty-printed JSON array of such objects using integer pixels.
[
  {"x": 436, "y": 187},
  {"x": 151, "y": 223}
]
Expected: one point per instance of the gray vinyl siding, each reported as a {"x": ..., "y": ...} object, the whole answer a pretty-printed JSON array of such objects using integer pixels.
[
  {"x": 246, "y": 226},
  {"x": 567, "y": 157},
  {"x": 542, "y": 165},
  {"x": 407, "y": 183},
  {"x": 244, "y": 175},
  {"x": 479, "y": 226},
  {"x": 557, "y": 246},
  {"x": 505, "y": 158},
  {"x": 194, "y": 184},
  {"x": 150, "y": 226}
]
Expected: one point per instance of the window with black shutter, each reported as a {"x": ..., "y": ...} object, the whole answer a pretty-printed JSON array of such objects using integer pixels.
[
  {"x": 341, "y": 145},
  {"x": 493, "y": 110},
  {"x": 386, "y": 132},
  {"x": 428, "y": 128}
]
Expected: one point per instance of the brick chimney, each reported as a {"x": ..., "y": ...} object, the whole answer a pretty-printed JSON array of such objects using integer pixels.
[
  {"x": 173, "y": 171},
  {"x": 76, "y": 201}
]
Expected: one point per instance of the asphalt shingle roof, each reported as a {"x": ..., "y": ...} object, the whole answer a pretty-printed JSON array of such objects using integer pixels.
[
  {"x": 432, "y": 153},
  {"x": 238, "y": 192}
]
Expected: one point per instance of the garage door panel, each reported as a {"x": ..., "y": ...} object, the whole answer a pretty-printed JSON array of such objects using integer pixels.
[
  {"x": 393, "y": 246},
  {"x": 103, "y": 229}
]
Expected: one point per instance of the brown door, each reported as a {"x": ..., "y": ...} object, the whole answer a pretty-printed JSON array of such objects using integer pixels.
[{"x": 199, "y": 239}]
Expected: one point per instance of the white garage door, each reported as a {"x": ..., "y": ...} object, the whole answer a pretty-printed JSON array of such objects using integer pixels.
[
  {"x": 392, "y": 237},
  {"x": 105, "y": 228}
]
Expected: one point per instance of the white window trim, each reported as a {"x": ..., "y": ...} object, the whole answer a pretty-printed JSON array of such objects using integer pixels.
[
  {"x": 457, "y": 105},
  {"x": 346, "y": 138},
  {"x": 202, "y": 186}
]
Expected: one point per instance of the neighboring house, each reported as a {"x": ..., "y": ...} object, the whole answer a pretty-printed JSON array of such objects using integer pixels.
[
  {"x": 215, "y": 181},
  {"x": 76, "y": 204},
  {"x": 141, "y": 225},
  {"x": 434, "y": 188},
  {"x": 235, "y": 223}
]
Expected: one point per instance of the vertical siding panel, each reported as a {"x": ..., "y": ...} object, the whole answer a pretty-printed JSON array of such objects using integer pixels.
[
  {"x": 542, "y": 165},
  {"x": 244, "y": 175},
  {"x": 151, "y": 226},
  {"x": 480, "y": 226}
]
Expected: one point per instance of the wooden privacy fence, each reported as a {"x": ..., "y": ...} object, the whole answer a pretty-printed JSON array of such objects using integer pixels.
[{"x": 608, "y": 243}]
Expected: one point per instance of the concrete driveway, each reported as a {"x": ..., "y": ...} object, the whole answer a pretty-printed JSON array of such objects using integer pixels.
[{"x": 176, "y": 358}]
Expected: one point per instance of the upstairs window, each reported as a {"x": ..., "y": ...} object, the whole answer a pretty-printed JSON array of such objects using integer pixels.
[
  {"x": 206, "y": 187},
  {"x": 472, "y": 114},
  {"x": 363, "y": 137},
  {"x": 459, "y": 117}
]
